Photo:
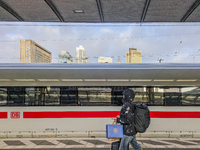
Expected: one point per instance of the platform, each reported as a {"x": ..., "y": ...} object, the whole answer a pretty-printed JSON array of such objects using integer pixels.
[{"x": 96, "y": 143}]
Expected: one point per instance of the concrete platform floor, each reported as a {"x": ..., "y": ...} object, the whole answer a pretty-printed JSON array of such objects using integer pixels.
[{"x": 96, "y": 143}]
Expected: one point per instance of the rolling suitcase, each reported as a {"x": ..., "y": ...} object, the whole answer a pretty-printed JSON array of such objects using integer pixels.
[{"x": 115, "y": 145}]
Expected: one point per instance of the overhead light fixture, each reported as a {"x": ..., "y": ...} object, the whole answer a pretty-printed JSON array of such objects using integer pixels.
[
  {"x": 94, "y": 79},
  {"x": 186, "y": 80},
  {"x": 78, "y": 11},
  {"x": 5, "y": 80},
  {"x": 48, "y": 79},
  {"x": 118, "y": 80},
  {"x": 170, "y": 80},
  {"x": 139, "y": 80},
  {"x": 24, "y": 80},
  {"x": 72, "y": 79}
]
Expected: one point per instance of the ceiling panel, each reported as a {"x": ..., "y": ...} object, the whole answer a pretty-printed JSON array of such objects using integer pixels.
[
  {"x": 67, "y": 7},
  {"x": 6, "y": 16},
  {"x": 96, "y": 11},
  {"x": 195, "y": 16},
  {"x": 167, "y": 10},
  {"x": 32, "y": 10},
  {"x": 122, "y": 11}
]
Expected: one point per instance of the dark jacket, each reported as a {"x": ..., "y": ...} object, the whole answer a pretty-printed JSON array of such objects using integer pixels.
[{"x": 127, "y": 118}]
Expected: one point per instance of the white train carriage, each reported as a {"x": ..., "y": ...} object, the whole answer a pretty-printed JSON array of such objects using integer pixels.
[{"x": 78, "y": 100}]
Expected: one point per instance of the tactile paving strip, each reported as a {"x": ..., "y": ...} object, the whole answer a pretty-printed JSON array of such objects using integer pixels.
[
  {"x": 14, "y": 143},
  {"x": 179, "y": 142},
  {"x": 152, "y": 142},
  {"x": 41, "y": 142},
  {"x": 96, "y": 142},
  {"x": 69, "y": 142}
]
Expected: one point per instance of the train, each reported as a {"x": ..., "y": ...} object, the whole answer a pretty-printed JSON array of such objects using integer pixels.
[{"x": 79, "y": 100}]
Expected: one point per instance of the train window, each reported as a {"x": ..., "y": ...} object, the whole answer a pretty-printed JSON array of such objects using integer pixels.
[
  {"x": 172, "y": 99},
  {"x": 197, "y": 101},
  {"x": 39, "y": 96},
  {"x": 97, "y": 96},
  {"x": 189, "y": 100},
  {"x": 35, "y": 96},
  {"x": 94, "y": 95},
  {"x": 164, "y": 96},
  {"x": 3, "y": 96},
  {"x": 191, "y": 95},
  {"x": 15, "y": 96},
  {"x": 141, "y": 95},
  {"x": 29, "y": 96},
  {"x": 68, "y": 96},
  {"x": 52, "y": 96},
  {"x": 117, "y": 95}
]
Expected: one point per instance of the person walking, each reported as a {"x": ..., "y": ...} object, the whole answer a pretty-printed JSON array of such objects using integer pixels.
[{"x": 126, "y": 118}]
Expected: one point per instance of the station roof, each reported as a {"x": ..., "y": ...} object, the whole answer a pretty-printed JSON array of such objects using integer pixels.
[{"x": 100, "y": 11}]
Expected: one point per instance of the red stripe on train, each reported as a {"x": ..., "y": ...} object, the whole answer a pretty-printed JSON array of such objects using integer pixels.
[
  {"x": 174, "y": 114},
  {"x": 3, "y": 115},
  {"x": 72, "y": 114},
  {"x": 106, "y": 114}
]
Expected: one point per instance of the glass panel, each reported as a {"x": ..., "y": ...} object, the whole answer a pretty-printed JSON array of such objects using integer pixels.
[
  {"x": 15, "y": 96},
  {"x": 117, "y": 95},
  {"x": 156, "y": 96},
  {"x": 3, "y": 96},
  {"x": 191, "y": 95},
  {"x": 68, "y": 96},
  {"x": 34, "y": 96},
  {"x": 168, "y": 96},
  {"x": 141, "y": 95},
  {"x": 152, "y": 96},
  {"x": 197, "y": 101},
  {"x": 52, "y": 96},
  {"x": 94, "y": 96},
  {"x": 39, "y": 96}
]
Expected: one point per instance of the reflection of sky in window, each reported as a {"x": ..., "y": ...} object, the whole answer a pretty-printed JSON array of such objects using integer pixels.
[
  {"x": 186, "y": 89},
  {"x": 142, "y": 89}
]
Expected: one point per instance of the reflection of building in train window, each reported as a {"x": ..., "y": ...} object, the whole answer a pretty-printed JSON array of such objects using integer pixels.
[
  {"x": 152, "y": 96},
  {"x": 190, "y": 95},
  {"x": 3, "y": 96},
  {"x": 141, "y": 95},
  {"x": 42, "y": 96},
  {"x": 94, "y": 95}
]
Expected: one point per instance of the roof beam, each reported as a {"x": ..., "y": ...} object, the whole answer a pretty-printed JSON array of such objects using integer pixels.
[
  {"x": 145, "y": 10},
  {"x": 12, "y": 12},
  {"x": 100, "y": 10},
  {"x": 55, "y": 10},
  {"x": 192, "y": 8}
]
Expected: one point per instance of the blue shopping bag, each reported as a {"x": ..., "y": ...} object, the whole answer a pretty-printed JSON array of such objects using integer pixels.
[{"x": 114, "y": 131}]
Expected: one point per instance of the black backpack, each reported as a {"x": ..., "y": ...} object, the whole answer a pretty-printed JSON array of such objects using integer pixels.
[{"x": 141, "y": 117}]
